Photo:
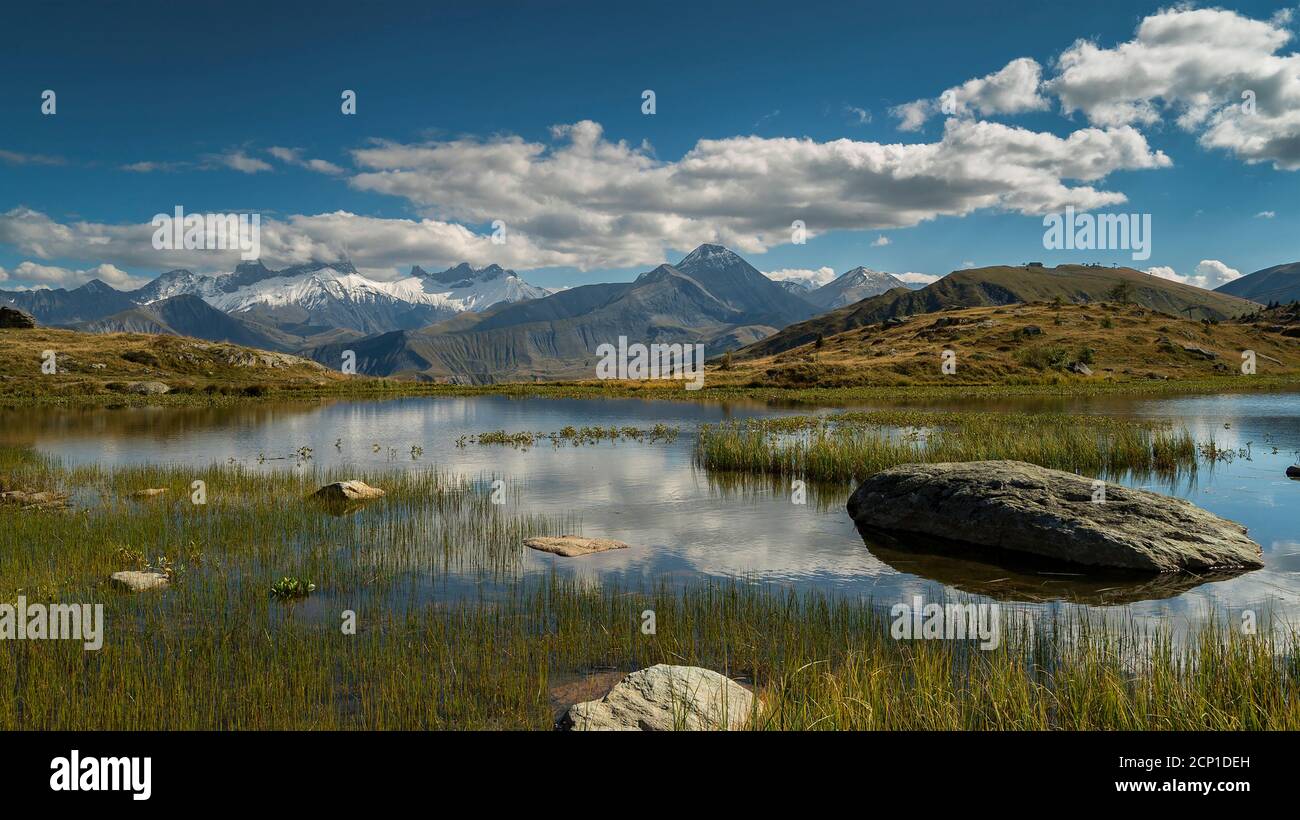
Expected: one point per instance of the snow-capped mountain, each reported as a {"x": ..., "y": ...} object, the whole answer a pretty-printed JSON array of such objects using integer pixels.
[
  {"x": 308, "y": 299},
  {"x": 853, "y": 286},
  {"x": 799, "y": 287}
]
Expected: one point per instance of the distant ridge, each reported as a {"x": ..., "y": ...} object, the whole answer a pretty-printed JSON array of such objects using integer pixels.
[
  {"x": 1002, "y": 285},
  {"x": 1280, "y": 283}
]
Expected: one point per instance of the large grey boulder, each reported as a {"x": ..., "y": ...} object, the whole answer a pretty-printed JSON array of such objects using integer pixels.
[
  {"x": 666, "y": 698},
  {"x": 148, "y": 388},
  {"x": 1024, "y": 508}
]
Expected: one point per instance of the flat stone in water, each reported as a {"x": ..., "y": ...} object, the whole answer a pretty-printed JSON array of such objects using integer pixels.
[
  {"x": 133, "y": 581},
  {"x": 571, "y": 546}
]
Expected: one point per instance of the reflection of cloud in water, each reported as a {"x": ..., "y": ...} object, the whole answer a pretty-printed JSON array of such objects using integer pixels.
[{"x": 681, "y": 521}]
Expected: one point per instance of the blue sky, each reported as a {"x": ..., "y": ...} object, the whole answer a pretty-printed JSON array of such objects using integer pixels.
[{"x": 456, "y": 106}]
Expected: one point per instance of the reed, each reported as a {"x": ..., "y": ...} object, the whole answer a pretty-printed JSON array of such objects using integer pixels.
[
  {"x": 852, "y": 446},
  {"x": 452, "y": 633}
]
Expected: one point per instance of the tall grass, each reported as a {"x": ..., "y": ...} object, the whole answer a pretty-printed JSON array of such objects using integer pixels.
[
  {"x": 451, "y": 633},
  {"x": 855, "y": 445}
]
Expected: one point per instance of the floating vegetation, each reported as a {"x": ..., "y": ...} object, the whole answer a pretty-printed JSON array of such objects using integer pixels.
[
  {"x": 289, "y": 588},
  {"x": 575, "y": 436}
]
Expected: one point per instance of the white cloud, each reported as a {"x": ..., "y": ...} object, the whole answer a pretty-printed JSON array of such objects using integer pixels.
[
  {"x": 19, "y": 158},
  {"x": 917, "y": 278},
  {"x": 237, "y": 160},
  {"x": 293, "y": 156},
  {"x": 880, "y": 241},
  {"x": 1217, "y": 71},
  {"x": 1265, "y": 214},
  {"x": 371, "y": 243},
  {"x": 856, "y": 115},
  {"x": 52, "y": 276},
  {"x": 612, "y": 204},
  {"x": 148, "y": 167},
  {"x": 1209, "y": 274},
  {"x": 1013, "y": 89},
  {"x": 816, "y": 278}
]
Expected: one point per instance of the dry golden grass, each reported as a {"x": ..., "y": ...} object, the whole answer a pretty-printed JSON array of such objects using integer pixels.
[{"x": 1118, "y": 343}]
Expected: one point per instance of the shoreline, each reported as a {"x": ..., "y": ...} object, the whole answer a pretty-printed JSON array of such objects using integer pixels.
[{"x": 804, "y": 396}]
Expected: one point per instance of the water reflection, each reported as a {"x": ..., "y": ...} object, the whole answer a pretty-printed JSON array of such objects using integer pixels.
[
  {"x": 683, "y": 523},
  {"x": 1003, "y": 577}
]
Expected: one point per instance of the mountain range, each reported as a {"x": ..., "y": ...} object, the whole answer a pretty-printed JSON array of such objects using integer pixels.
[
  {"x": 290, "y": 309},
  {"x": 480, "y": 325},
  {"x": 711, "y": 297}
]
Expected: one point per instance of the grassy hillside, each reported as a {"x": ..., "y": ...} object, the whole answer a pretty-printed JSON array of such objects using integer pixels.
[
  {"x": 92, "y": 364},
  {"x": 1003, "y": 285},
  {"x": 1024, "y": 344}
]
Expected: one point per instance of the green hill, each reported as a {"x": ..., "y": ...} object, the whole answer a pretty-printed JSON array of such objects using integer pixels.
[{"x": 1004, "y": 285}]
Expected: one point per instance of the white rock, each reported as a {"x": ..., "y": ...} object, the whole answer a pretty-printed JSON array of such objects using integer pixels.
[
  {"x": 133, "y": 581},
  {"x": 666, "y": 698}
]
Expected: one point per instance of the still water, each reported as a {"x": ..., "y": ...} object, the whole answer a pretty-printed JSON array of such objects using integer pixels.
[{"x": 683, "y": 523}]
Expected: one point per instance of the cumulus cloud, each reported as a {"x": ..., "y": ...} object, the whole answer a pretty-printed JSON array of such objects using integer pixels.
[
  {"x": 1209, "y": 274},
  {"x": 1013, "y": 89},
  {"x": 880, "y": 241},
  {"x": 372, "y": 243},
  {"x": 912, "y": 277},
  {"x": 816, "y": 278},
  {"x": 294, "y": 156},
  {"x": 53, "y": 276},
  {"x": 857, "y": 115},
  {"x": 611, "y": 203},
  {"x": 1217, "y": 72}
]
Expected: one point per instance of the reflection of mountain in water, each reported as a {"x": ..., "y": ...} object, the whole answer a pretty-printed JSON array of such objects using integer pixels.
[{"x": 1006, "y": 577}]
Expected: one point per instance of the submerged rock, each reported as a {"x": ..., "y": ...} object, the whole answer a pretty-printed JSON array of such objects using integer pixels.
[
  {"x": 1023, "y": 508},
  {"x": 34, "y": 499},
  {"x": 1293, "y": 472},
  {"x": 133, "y": 581},
  {"x": 571, "y": 546},
  {"x": 665, "y": 698},
  {"x": 344, "y": 491}
]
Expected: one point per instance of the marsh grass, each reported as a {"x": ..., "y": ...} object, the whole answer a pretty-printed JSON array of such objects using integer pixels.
[
  {"x": 451, "y": 634},
  {"x": 851, "y": 446}
]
